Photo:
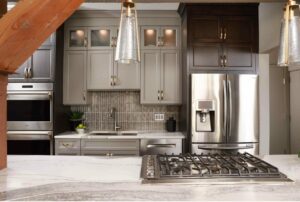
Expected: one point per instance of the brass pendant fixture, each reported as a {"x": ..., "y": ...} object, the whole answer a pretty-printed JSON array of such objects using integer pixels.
[
  {"x": 128, "y": 47},
  {"x": 289, "y": 47}
]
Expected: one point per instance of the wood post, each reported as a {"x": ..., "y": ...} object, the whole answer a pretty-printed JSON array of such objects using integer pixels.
[
  {"x": 3, "y": 86},
  {"x": 3, "y": 128}
]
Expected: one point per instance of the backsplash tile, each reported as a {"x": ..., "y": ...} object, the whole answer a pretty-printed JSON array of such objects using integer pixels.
[{"x": 131, "y": 115}]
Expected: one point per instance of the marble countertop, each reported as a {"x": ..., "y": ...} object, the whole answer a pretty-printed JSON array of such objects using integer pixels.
[
  {"x": 140, "y": 135},
  {"x": 118, "y": 178}
]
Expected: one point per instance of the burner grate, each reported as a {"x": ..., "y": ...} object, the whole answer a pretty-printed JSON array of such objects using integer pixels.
[{"x": 215, "y": 165}]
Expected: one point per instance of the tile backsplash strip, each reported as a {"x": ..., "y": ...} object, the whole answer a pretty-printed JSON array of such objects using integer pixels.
[{"x": 131, "y": 115}]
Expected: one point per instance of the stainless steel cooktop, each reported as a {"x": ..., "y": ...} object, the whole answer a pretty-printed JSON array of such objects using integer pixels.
[{"x": 209, "y": 168}]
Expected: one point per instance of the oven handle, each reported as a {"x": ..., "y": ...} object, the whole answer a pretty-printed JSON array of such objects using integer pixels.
[
  {"x": 29, "y": 135},
  {"x": 161, "y": 145},
  {"x": 49, "y": 93},
  {"x": 225, "y": 147}
]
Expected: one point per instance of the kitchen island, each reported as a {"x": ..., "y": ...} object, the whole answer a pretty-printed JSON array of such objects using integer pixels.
[{"x": 118, "y": 178}]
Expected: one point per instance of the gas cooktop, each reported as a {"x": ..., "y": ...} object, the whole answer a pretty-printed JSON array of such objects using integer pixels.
[{"x": 209, "y": 168}]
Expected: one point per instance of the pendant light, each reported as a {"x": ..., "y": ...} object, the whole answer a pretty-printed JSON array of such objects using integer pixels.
[
  {"x": 128, "y": 50},
  {"x": 289, "y": 47}
]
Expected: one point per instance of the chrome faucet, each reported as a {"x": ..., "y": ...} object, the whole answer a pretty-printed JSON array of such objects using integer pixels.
[{"x": 114, "y": 116}]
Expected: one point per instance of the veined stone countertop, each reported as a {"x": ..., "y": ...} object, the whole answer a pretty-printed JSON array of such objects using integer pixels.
[
  {"x": 86, "y": 178},
  {"x": 140, "y": 135}
]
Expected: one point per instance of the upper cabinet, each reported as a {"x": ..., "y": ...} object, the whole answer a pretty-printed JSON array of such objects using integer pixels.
[
  {"x": 222, "y": 37},
  {"x": 40, "y": 66},
  {"x": 88, "y": 38},
  {"x": 162, "y": 37}
]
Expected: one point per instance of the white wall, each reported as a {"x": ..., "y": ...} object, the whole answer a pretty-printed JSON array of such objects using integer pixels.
[
  {"x": 270, "y": 15},
  {"x": 264, "y": 104}
]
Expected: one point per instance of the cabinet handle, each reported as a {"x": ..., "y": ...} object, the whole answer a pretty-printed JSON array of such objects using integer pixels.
[
  {"x": 225, "y": 34},
  {"x": 221, "y": 61},
  {"x": 25, "y": 73},
  {"x": 221, "y": 34},
  {"x": 162, "y": 94},
  {"x": 111, "y": 80},
  {"x": 29, "y": 72},
  {"x": 85, "y": 42},
  {"x": 225, "y": 60},
  {"x": 83, "y": 96},
  {"x": 115, "y": 80},
  {"x": 67, "y": 145},
  {"x": 158, "y": 95}
]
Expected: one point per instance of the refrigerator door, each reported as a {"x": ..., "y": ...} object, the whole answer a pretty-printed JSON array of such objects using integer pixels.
[
  {"x": 242, "y": 108},
  {"x": 208, "y": 108}
]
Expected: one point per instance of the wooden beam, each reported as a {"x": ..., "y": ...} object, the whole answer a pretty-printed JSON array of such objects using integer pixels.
[
  {"x": 27, "y": 26},
  {"x": 3, "y": 136},
  {"x": 3, "y": 86}
]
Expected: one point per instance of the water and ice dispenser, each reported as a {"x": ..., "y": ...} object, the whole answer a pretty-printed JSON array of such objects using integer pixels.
[{"x": 205, "y": 114}]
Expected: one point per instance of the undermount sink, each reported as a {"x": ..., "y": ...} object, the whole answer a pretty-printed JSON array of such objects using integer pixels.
[{"x": 114, "y": 133}]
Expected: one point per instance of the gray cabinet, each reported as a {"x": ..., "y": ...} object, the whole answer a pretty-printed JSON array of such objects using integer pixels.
[
  {"x": 67, "y": 146},
  {"x": 74, "y": 78},
  {"x": 105, "y": 74},
  {"x": 160, "y": 77},
  {"x": 100, "y": 147},
  {"x": 40, "y": 67}
]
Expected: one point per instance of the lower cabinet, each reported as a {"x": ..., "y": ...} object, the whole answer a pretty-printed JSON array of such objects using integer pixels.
[
  {"x": 67, "y": 146},
  {"x": 119, "y": 147}
]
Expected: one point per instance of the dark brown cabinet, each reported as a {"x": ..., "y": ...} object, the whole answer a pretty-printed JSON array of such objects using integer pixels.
[{"x": 222, "y": 37}]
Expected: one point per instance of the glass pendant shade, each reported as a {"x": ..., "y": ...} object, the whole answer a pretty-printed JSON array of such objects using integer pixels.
[
  {"x": 128, "y": 50},
  {"x": 283, "y": 43},
  {"x": 294, "y": 37},
  {"x": 289, "y": 47}
]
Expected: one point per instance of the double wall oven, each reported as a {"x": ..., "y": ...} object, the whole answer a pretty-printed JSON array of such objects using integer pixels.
[{"x": 30, "y": 118}]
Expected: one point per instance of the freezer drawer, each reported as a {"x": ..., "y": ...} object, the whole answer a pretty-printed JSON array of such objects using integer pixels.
[
  {"x": 161, "y": 146},
  {"x": 251, "y": 148}
]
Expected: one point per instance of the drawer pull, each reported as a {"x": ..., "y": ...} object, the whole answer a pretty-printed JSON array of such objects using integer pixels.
[
  {"x": 161, "y": 146},
  {"x": 67, "y": 145}
]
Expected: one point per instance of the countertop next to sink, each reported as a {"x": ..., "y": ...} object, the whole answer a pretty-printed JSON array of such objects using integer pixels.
[
  {"x": 118, "y": 178},
  {"x": 140, "y": 135}
]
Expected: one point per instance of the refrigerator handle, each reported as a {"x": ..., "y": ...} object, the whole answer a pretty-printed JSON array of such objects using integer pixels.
[
  {"x": 225, "y": 108},
  {"x": 230, "y": 106}
]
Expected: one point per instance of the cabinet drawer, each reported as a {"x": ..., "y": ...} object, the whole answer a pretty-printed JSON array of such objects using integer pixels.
[
  {"x": 161, "y": 146},
  {"x": 110, "y": 144},
  {"x": 67, "y": 147}
]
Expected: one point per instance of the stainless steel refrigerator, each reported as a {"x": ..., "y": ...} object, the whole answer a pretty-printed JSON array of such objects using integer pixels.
[{"x": 224, "y": 113}]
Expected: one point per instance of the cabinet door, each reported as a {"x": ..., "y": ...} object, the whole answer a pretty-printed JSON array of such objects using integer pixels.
[
  {"x": 169, "y": 37},
  {"x": 42, "y": 64},
  {"x": 239, "y": 57},
  {"x": 50, "y": 40},
  {"x": 170, "y": 74},
  {"x": 238, "y": 29},
  {"x": 150, "y": 37},
  {"x": 127, "y": 76},
  {"x": 21, "y": 72},
  {"x": 205, "y": 29},
  {"x": 76, "y": 38},
  {"x": 150, "y": 76},
  {"x": 102, "y": 37},
  {"x": 100, "y": 70},
  {"x": 74, "y": 78},
  {"x": 206, "y": 56}
]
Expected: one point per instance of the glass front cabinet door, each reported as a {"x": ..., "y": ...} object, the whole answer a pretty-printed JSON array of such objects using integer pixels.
[
  {"x": 159, "y": 37},
  {"x": 102, "y": 37},
  {"x": 76, "y": 38}
]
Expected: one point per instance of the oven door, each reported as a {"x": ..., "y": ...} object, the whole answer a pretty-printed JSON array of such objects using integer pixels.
[
  {"x": 30, "y": 142},
  {"x": 29, "y": 110}
]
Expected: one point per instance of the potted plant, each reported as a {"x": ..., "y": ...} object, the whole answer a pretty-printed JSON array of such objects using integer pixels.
[
  {"x": 81, "y": 128},
  {"x": 75, "y": 119}
]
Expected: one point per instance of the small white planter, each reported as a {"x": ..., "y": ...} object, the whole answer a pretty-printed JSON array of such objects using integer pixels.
[{"x": 80, "y": 130}]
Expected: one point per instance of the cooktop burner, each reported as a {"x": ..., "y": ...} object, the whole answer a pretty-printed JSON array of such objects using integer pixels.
[{"x": 220, "y": 167}]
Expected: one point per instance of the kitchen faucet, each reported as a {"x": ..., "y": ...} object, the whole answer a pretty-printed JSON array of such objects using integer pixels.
[{"x": 114, "y": 116}]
